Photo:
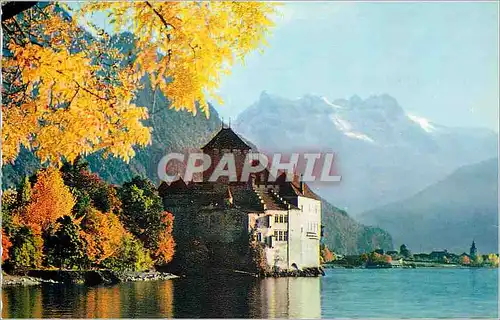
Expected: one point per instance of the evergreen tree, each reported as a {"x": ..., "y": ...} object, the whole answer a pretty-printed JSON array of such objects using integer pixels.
[
  {"x": 25, "y": 251},
  {"x": 403, "y": 250},
  {"x": 24, "y": 192},
  {"x": 65, "y": 246},
  {"x": 142, "y": 215}
]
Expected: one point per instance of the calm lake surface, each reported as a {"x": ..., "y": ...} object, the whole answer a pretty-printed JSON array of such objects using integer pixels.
[{"x": 342, "y": 293}]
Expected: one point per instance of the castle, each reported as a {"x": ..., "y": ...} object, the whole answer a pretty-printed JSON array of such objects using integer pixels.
[{"x": 284, "y": 217}]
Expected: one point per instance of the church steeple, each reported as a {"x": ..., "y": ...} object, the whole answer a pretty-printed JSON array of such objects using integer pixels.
[{"x": 473, "y": 250}]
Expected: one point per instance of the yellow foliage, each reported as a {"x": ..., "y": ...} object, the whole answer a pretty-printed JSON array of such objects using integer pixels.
[
  {"x": 62, "y": 101},
  {"x": 51, "y": 199},
  {"x": 493, "y": 259},
  {"x": 185, "y": 46},
  {"x": 102, "y": 233}
]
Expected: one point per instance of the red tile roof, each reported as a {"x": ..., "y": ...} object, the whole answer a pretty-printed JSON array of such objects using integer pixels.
[{"x": 292, "y": 188}]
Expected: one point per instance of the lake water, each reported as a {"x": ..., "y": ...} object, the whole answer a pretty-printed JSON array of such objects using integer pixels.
[{"x": 342, "y": 293}]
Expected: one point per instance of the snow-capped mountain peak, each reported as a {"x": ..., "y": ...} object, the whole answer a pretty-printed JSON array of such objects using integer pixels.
[
  {"x": 346, "y": 128},
  {"x": 422, "y": 122},
  {"x": 374, "y": 139},
  {"x": 325, "y": 100}
]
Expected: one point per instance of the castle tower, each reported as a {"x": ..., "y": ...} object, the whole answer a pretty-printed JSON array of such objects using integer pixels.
[{"x": 225, "y": 141}]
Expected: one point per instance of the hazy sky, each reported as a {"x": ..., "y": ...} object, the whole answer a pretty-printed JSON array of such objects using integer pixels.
[{"x": 439, "y": 60}]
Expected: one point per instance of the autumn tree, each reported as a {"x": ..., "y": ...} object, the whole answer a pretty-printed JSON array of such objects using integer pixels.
[
  {"x": 375, "y": 258},
  {"x": 478, "y": 260},
  {"x": 326, "y": 254},
  {"x": 89, "y": 189},
  {"x": 493, "y": 259},
  {"x": 68, "y": 92},
  {"x": 50, "y": 200},
  {"x": 102, "y": 234},
  {"x": 464, "y": 260},
  {"x": 6, "y": 244},
  {"x": 166, "y": 244}
]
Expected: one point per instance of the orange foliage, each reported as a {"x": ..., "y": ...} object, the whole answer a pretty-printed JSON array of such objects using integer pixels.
[
  {"x": 51, "y": 199},
  {"x": 166, "y": 244},
  {"x": 388, "y": 258},
  {"x": 328, "y": 255},
  {"x": 63, "y": 102},
  {"x": 102, "y": 233},
  {"x": 465, "y": 260},
  {"x": 6, "y": 244}
]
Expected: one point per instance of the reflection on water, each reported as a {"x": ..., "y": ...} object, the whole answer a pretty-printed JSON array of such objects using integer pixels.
[
  {"x": 22, "y": 302},
  {"x": 342, "y": 293},
  {"x": 286, "y": 297},
  {"x": 181, "y": 298}
]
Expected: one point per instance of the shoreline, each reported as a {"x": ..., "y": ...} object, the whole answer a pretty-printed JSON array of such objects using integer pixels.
[
  {"x": 87, "y": 277},
  {"x": 110, "y": 277},
  {"x": 423, "y": 266}
]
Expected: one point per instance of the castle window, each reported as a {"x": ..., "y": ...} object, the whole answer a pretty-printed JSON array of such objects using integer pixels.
[
  {"x": 276, "y": 234},
  {"x": 281, "y": 218},
  {"x": 280, "y": 236},
  {"x": 285, "y": 236},
  {"x": 276, "y": 219},
  {"x": 259, "y": 237},
  {"x": 286, "y": 219}
]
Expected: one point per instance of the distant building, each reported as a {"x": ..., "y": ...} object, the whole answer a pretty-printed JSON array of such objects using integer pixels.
[
  {"x": 285, "y": 216},
  {"x": 464, "y": 255},
  {"x": 438, "y": 255},
  {"x": 397, "y": 263},
  {"x": 421, "y": 257},
  {"x": 473, "y": 251}
]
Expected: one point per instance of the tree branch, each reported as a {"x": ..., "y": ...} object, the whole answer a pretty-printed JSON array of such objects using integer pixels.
[
  {"x": 12, "y": 8},
  {"x": 165, "y": 23}
]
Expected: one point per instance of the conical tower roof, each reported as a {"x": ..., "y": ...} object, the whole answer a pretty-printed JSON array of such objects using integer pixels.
[{"x": 226, "y": 138}]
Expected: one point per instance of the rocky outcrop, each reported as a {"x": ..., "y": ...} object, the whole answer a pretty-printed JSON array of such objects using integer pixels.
[
  {"x": 88, "y": 277},
  {"x": 24, "y": 281},
  {"x": 306, "y": 272},
  {"x": 144, "y": 276}
]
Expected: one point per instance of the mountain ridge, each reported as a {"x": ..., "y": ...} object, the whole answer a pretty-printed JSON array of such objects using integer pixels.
[
  {"x": 374, "y": 140},
  {"x": 448, "y": 214}
]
